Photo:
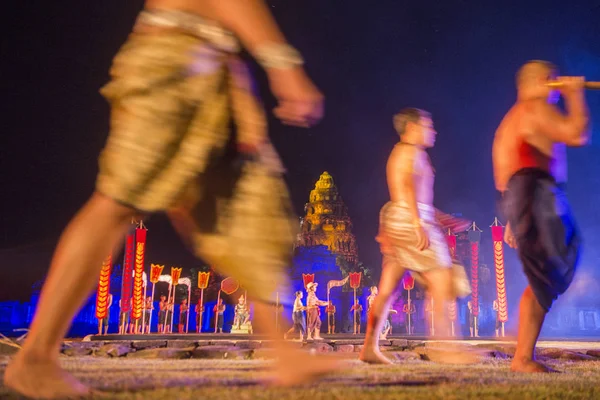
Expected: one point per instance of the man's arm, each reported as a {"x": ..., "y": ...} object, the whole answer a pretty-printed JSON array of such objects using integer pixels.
[
  {"x": 572, "y": 128},
  {"x": 249, "y": 20}
]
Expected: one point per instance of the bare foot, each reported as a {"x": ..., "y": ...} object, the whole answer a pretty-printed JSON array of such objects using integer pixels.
[
  {"x": 528, "y": 366},
  {"x": 372, "y": 355},
  {"x": 43, "y": 380},
  {"x": 295, "y": 367}
]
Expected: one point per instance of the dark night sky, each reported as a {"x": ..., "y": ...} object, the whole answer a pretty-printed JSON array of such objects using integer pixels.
[{"x": 455, "y": 58}]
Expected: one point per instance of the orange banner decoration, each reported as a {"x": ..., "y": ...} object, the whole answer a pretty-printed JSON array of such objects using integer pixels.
[
  {"x": 138, "y": 281},
  {"x": 229, "y": 285},
  {"x": 452, "y": 307},
  {"x": 175, "y": 275},
  {"x": 127, "y": 280},
  {"x": 103, "y": 288},
  {"x": 355, "y": 278},
  {"x": 498, "y": 238},
  {"x": 155, "y": 271},
  {"x": 308, "y": 278},
  {"x": 203, "y": 278},
  {"x": 474, "y": 238}
]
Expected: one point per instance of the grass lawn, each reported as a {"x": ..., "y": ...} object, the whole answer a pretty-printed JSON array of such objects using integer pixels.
[{"x": 414, "y": 379}]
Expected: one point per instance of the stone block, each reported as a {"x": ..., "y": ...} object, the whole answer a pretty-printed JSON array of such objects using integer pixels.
[
  {"x": 162, "y": 353},
  {"x": 148, "y": 344}
]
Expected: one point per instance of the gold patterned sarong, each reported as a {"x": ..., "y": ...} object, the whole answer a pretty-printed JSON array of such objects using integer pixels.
[
  {"x": 173, "y": 96},
  {"x": 398, "y": 245}
]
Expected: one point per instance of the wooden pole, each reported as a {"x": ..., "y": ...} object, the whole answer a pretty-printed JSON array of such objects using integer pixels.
[
  {"x": 217, "y": 312},
  {"x": 409, "y": 318},
  {"x": 152, "y": 303},
  {"x": 187, "y": 321},
  {"x": 167, "y": 309},
  {"x": 354, "y": 313},
  {"x": 144, "y": 311},
  {"x": 173, "y": 305},
  {"x": 199, "y": 327}
]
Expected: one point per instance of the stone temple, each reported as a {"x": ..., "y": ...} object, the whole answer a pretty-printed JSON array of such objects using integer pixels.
[
  {"x": 326, "y": 222},
  {"x": 326, "y": 248}
]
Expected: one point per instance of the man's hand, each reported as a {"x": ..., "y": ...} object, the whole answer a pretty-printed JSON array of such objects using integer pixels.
[
  {"x": 422, "y": 239},
  {"x": 571, "y": 85},
  {"x": 300, "y": 102},
  {"x": 509, "y": 238}
]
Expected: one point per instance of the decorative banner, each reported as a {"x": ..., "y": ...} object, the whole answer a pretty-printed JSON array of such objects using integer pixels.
[
  {"x": 203, "y": 278},
  {"x": 229, "y": 285},
  {"x": 452, "y": 307},
  {"x": 155, "y": 271},
  {"x": 474, "y": 238},
  {"x": 127, "y": 282},
  {"x": 175, "y": 275},
  {"x": 103, "y": 288},
  {"x": 308, "y": 278},
  {"x": 355, "y": 278},
  {"x": 498, "y": 238},
  {"x": 408, "y": 281},
  {"x": 138, "y": 279},
  {"x": 339, "y": 283}
]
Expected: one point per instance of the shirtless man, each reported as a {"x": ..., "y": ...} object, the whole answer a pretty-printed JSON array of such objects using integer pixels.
[
  {"x": 183, "y": 316},
  {"x": 199, "y": 313},
  {"x": 173, "y": 86},
  {"x": 356, "y": 312},
  {"x": 409, "y": 233},
  {"x": 529, "y": 159},
  {"x": 298, "y": 318},
  {"x": 162, "y": 314}
]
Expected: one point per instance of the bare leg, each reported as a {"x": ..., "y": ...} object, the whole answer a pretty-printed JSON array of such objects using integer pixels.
[
  {"x": 390, "y": 276},
  {"x": 293, "y": 366},
  {"x": 531, "y": 318},
  {"x": 439, "y": 283},
  {"x": 96, "y": 229}
]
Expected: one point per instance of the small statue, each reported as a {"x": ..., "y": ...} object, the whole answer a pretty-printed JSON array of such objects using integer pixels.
[{"x": 241, "y": 319}]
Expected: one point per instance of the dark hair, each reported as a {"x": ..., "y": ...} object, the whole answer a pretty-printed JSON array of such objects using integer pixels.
[
  {"x": 298, "y": 293},
  {"x": 407, "y": 115},
  {"x": 532, "y": 69}
]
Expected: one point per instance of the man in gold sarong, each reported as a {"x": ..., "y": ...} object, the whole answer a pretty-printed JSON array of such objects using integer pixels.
[{"x": 176, "y": 85}]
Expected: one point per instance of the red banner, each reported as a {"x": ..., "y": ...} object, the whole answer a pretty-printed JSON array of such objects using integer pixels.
[
  {"x": 308, "y": 278},
  {"x": 408, "y": 281},
  {"x": 355, "y": 278},
  {"x": 138, "y": 281},
  {"x": 498, "y": 238},
  {"x": 103, "y": 288},
  {"x": 127, "y": 281}
]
